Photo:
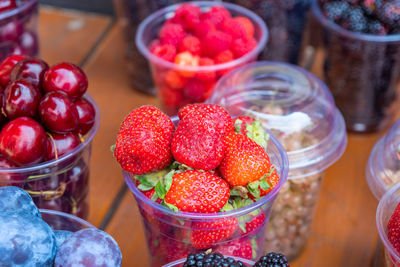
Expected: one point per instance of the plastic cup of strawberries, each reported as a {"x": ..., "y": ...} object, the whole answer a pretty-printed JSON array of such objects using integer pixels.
[
  {"x": 47, "y": 124},
  {"x": 200, "y": 184},
  {"x": 190, "y": 46}
]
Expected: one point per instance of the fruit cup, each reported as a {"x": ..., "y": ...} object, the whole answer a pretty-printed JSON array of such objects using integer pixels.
[
  {"x": 386, "y": 207},
  {"x": 383, "y": 169},
  {"x": 182, "y": 76},
  {"x": 173, "y": 235},
  {"x": 286, "y": 22},
  {"x": 362, "y": 72},
  {"x": 18, "y": 28},
  {"x": 61, "y": 184},
  {"x": 299, "y": 110}
]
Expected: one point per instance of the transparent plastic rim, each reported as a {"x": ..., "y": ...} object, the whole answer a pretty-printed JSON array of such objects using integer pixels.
[
  {"x": 10, "y": 13},
  {"x": 375, "y": 183},
  {"x": 354, "y": 35},
  {"x": 221, "y": 215},
  {"x": 67, "y": 216},
  {"x": 177, "y": 262},
  {"x": 379, "y": 221},
  {"x": 161, "y": 13},
  {"x": 88, "y": 139}
]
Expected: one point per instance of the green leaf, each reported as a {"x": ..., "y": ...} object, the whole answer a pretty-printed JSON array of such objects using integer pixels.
[
  {"x": 171, "y": 207},
  {"x": 112, "y": 148},
  {"x": 254, "y": 247},
  {"x": 143, "y": 187},
  {"x": 154, "y": 197},
  {"x": 256, "y": 132},
  {"x": 144, "y": 181},
  {"x": 168, "y": 180},
  {"x": 227, "y": 207},
  {"x": 253, "y": 189},
  {"x": 239, "y": 191},
  {"x": 238, "y": 126},
  {"x": 242, "y": 226},
  {"x": 160, "y": 190},
  {"x": 265, "y": 185}
]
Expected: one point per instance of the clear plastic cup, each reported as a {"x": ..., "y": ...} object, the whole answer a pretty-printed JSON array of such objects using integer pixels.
[
  {"x": 61, "y": 184},
  {"x": 64, "y": 221},
  {"x": 286, "y": 21},
  {"x": 168, "y": 233},
  {"x": 180, "y": 262},
  {"x": 299, "y": 110},
  {"x": 386, "y": 207},
  {"x": 383, "y": 169},
  {"x": 362, "y": 72},
  {"x": 174, "y": 98},
  {"x": 18, "y": 29}
]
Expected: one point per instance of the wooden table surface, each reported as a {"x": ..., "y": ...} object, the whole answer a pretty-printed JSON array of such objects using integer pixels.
[{"x": 344, "y": 231}]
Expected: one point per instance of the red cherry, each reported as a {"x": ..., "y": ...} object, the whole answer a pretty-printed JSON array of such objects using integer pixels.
[
  {"x": 86, "y": 114},
  {"x": 5, "y": 68},
  {"x": 21, "y": 99},
  {"x": 31, "y": 70},
  {"x": 7, "y": 5},
  {"x": 7, "y": 178},
  {"x": 58, "y": 112},
  {"x": 23, "y": 141},
  {"x": 60, "y": 143},
  {"x": 66, "y": 77},
  {"x": 11, "y": 31}
]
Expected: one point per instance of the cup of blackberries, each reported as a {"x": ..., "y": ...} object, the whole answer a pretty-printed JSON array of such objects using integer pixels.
[{"x": 47, "y": 123}]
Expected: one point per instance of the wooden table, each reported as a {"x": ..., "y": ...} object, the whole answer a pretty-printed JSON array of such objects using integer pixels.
[{"x": 344, "y": 231}]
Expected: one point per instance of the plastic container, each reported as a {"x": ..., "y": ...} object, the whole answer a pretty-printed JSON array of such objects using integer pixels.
[
  {"x": 61, "y": 184},
  {"x": 64, "y": 221},
  {"x": 386, "y": 207},
  {"x": 180, "y": 262},
  {"x": 168, "y": 233},
  {"x": 383, "y": 169},
  {"x": 18, "y": 29},
  {"x": 362, "y": 72},
  {"x": 286, "y": 21},
  {"x": 174, "y": 98},
  {"x": 299, "y": 110}
]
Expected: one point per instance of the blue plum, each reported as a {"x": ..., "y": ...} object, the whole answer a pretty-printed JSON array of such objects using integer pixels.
[
  {"x": 61, "y": 236},
  {"x": 13, "y": 198}
]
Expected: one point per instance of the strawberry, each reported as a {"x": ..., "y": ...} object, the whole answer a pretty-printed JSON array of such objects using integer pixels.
[
  {"x": 247, "y": 24},
  {"x": 393, "y": 229},
  {"x": 166, "y": 51},
  {"x": 216, "y": 14},
  {"x": 169, "y": 250},
  {"x": 244, "y": 162},
  {"x": 206, "y": 76},
  {"x": 187, "y": 15},
  {"x": 146, "y": 184},
  {"x": 191, "y": 44},
  {"x": 198, "y": 140},
  {"x": 242, "y": 46},
  {"x": 241, "y": 122},
  {"x": 241, "y": 248},
  {"x": 144, "y": 140},
  {"x": 206, "y": 234},
  {"x": 197, "y": 191},
  {"x": 255, "y": 223},
  {"x": 171, "y": 33},
  {"x": 195, "y": 90},
  {"x": 251, "y": 128},
  {"x": 215, "y": 42},
  {"x": 272, "y": 181}
]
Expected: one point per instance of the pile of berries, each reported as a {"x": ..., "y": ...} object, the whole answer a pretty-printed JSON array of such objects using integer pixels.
[
  {"x": 378, "y": 17},
  {"x": 17, "y": 36},
  {"x": 209, "y": 163},
  {"x": 44, "y": 116},
  {"x": 27, "y": 240},
  {"x": 192, "y": 38}
]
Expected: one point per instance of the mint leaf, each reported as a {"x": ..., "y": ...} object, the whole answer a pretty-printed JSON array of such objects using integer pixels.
[{"x": 171, "y": 207}]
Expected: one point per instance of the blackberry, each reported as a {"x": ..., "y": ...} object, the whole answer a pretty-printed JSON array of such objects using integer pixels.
[
  {"x": 335, "y": 10},
  {"x": 376, "y": 27},
  {"x": 211, "y": 260},
  {"x": 390, "y": 14},
  {"x": 355, "y": 20},
  {"x": 272, "y": 260}
]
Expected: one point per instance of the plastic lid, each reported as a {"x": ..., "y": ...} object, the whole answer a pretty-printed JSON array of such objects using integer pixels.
[
  {"x": 383, "y": 169},
  {"x": 294, "y": 105}
]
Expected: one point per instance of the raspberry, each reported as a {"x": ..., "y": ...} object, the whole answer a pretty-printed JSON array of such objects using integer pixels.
[
  {"x": 187, "y": 15},
  {"x": 216, "y": 14},
  {"x": 234, "y": 28},
  {"x": 195, "y": 90},
  {"x": 203, "y": 27},
  {"x": 247, "y": 24},
  {"x": 224, "y": 57},
  {"x": 191, "y": 44},
  {"x": 165, "y": 51},
  {"x": 215, "y": 42},
  {"x": 174, "y": 80},
  {"x": 172, "y": 33},
  {"x": 206, "y": 76},
  {"x": 187, "y": 59},
  {"x": 242, "y": 46},
  {"x": 171, "y": 98}
]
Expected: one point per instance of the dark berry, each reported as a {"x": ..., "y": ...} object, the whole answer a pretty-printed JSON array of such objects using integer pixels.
[
  {"x": 335, "y": 10},
  {"x": 354, "y": 20},
  {"x": 376, "y": 27},
  {"x": 272, "y": 259},
  {"x": 210, "y": 260},
  {"x": 390, "y": 14},
  {"x": 371, "y": 6}
]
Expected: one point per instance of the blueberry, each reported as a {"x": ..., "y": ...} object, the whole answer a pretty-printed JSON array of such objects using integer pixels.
[
  {"x": 61, "y": 236},
  {"x": 390, "y": 14},
  {"x": 355, "y": 20},
  {"x": 371, "y": 6},
  {"x": 89, "y": 247},
  {"x": 16, "y": 199},
  {"x": 376, "y": 27},
  {"x": 335, "y": 10},
  {"x": 25, "y": 240}
]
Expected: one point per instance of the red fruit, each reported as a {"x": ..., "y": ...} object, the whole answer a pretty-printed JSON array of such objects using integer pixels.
[
  {"x": 86, "y": 115},
  {"x": 206, "y": 76},
  {"x": 272, "y": 181},
  {"x": 66, "y": 77},
  {"x": 203, "y": 27},
  {"x": 209, "y": 233},
  {"x": 241, "y": 122},
  {"x": 187, "y": 15},
  {"x": 241, "y": 248},
  {"x": 247, "y": 24},
  {"x": 166, "y": 51},
  {"x": 8, "y": 178},
  {"x": 58, "y": 145},
  {"x": 7, "y": 5},
  {"x": 171, "y": 97},
  {"x": 195, "y": 90},
  {"x": 197, "y": 191},
  {"x": 215, "y": 42},
  {"x": 144, "y": 139},
  {"x": 393, "y": 229},
  {"x": 244, "y": 162},
  {"x": 191, "y": 44},
  {"x": 186, "y": 59},
  {"x": 234, "y": 28},
  {"x": 11, "y": 30},
  {"x": 242, "y": 46},
  {"x": 174, "y": 80},
  {"x": 211, "y": 109},
  {"x": 255, "y": 223},
  {"x": 23, "y": 141},
  {"x": 6, "y": 67},
  {"x": 31, "y": 70},
  {"x": 216, "y": 14},
  {"x": 198, "y": 140},
  {"x": 172, "y": 33},
  {"x": 224, "y": 57},
  {"x": 149, "y": 193}
]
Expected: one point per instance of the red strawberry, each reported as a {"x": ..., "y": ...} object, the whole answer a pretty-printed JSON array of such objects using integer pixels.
[
  {"x": 272, "y": 181},
  {"x": 393, "y": 229},
  {"x": 247, "y": 24},
  {"x": 144, "y": 139},
  {"x": 206, "y": 76},
  {"x": 166, "y": 51},
  {"x": 242, "y": 46},
  {"x": 251, "y": 128},
  {"x": 203, "y": 27},
  {"x": 255, "y": 223},
  {"x": 197, "y": 191},
  {"x": 216, "y": 14},
  {"x": 169, "y": 250},
  {"x": 215, "y": 42},
  {"x": 172, "y": 33},
  {"x": 198, "y": 140},
  {"x": 187, "y": 15},
  {"x": 241, "y": 248},
  {"x": 190, "y": 43},
  {"x": 209, "y": 233},
  {"x": 244, "y": 162},
  {"x": 241, "y": 123},
  {"x": 195, "y": 90}
]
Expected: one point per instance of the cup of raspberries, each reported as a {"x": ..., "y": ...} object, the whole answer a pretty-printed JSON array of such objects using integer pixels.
[
  {"x": 361, "y": 42},
  {"x": 33, "y": 237},
  {"x": 200, "y": 182},
  {"x": 47, "y": 126},
  {"x": 190, "y": 46},
  {"x": 18, "y": 27}
]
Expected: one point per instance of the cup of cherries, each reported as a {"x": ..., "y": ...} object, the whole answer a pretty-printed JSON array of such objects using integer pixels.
[{"x": 47, "y": 123}]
